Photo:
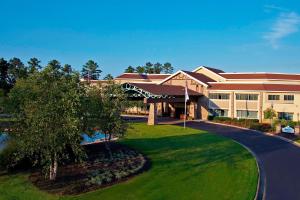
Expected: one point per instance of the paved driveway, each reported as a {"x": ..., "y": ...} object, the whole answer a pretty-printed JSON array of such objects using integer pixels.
[{"x": 279, "y": 160}]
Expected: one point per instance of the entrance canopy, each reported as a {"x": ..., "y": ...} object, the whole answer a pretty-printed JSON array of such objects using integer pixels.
[{"x": 147, "y": 90}]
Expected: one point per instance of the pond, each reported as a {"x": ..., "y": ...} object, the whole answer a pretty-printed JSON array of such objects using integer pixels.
[{"x": 3, "y": 139}]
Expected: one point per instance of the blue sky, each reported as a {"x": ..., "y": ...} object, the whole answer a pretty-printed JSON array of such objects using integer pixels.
[{"x": 257, "y": 35}]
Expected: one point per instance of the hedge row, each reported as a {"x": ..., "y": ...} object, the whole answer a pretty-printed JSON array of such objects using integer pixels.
[{"x": 246, "y": 123}]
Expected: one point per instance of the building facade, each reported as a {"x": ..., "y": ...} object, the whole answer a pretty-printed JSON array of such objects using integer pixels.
[{"x": 214, "y": 92}]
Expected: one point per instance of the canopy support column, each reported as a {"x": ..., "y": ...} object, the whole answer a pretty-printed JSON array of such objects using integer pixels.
[{"x": 152, "y": 117}]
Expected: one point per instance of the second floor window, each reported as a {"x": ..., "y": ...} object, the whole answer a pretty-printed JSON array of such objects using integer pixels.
[
  {"x": 218, "y": 96},
  {"x": 252, "y": 97},
  {"x": 289, "y": 97},
  {"x": 273, "y": 97}
]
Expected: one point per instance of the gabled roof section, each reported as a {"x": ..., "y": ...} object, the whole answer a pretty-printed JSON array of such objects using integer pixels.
[
  {"x": 142, "y": 76},
  {"x": 217, "y": 71},
  {"x": 201, "y": 78}
]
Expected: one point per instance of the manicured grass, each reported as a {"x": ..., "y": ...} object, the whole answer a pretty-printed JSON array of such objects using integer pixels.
[{"x": 186, "y": 164}]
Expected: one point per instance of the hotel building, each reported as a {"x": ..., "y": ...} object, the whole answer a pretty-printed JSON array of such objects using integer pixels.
[{"x": 215, "y": 92}]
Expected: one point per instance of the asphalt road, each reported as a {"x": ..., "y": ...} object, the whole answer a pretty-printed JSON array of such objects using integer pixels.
[{"x": 279, "y": 160}]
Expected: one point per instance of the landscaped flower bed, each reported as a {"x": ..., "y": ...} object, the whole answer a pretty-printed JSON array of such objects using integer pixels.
[{"x": 99, "y": 170}]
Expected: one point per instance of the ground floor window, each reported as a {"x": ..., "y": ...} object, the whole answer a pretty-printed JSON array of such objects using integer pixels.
[
  {"x": 218, "y": 112},
  {"x": 285, "y": 115},
  {"x": 246, "y": 114}
]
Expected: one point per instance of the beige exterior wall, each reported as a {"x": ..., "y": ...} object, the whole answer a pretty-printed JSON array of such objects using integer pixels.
[{"x": 283, "y": 106}]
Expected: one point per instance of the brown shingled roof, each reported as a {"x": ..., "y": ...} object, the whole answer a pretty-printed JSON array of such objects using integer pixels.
[
  {"x": 200, "y": 77},
  {"x": 171, "y": 90},
  {"x": 214, "y": 70},
  {"x": 262, "y": 87},
  {"x": 261, "y": 76},
  {"x": 142, "y": 76}
]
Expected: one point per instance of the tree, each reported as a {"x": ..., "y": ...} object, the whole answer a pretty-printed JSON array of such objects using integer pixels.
[
  {"x": 129, "y": 69},
  {"x": 114, "y": 102},
  {"x": 54, "y": 65},
  {"x": 48, "y": 108},
  {"x": 157, "y": 68},
  {"x": 67, "y": 69},
  {"x": 270, "y": 113},
  {"x": 168, "y": 68},
  {"x": 140, "y": 69},
  {"x": 91, "y": 70},
  {"x": 17, "y": 69},
  {"x": 34, "y": 65},
  {"x": 5, "y": 81},
  {"x": 149, "y": 68},
  {"x": 108, "y": 77}
]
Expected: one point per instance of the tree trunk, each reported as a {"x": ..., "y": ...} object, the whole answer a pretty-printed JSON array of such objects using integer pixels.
[
  {"x": 107, "y": 146},
  {"x": 53, "y": 169}
]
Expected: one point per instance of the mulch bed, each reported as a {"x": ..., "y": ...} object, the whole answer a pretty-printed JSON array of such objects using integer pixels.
[{"x": 98, "y": 171}]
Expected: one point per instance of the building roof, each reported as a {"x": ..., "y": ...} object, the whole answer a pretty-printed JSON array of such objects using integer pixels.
[
  {"x": 260, "y": 87},
  {"x": 214, "y": 70},
  {"x": 200, "y": 77},
  {"x": 170, "y": 90},
  {"x": 217, "y": 71},
  {"x": 142, "y": 76},
  {"x": 277, "y": 76}
]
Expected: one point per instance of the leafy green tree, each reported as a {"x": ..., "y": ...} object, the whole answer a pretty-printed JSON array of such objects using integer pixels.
[
  {"x": 108, "y": 77},
  {"x": 149, "y": 68},
  {"x": 270, "y": 113},
  {"x": 129, "y": 69},
  {"x": 140, "y": 69},
  {"x": 168, "y": 68},
  {"x": 5, "y": 80},
  {"x": 114, "y": 102},
  {"x": 48, "y": 108},
  {"x": 157, "y": 68},
  {"x": 34, "y": 65},
  {"x": 91, "y": 70},
  {"x": 17, "y": 69}
]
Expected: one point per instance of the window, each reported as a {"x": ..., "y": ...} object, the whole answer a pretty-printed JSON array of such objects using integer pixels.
[
  {"x": 252, "y": 97},
  {"x": 218, "y": 96},
  {"x": 289, "y": 97},
  {"x": 285, "y": 115},
  {"x": 218, "y": 112},
  {"x": 246, "y": 114},
  {"x": 273, "y": 97}
]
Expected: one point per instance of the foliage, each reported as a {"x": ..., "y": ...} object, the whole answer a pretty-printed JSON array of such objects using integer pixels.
[
  {"x": 129, "y": 69},
  {"x": 150, "y": 68},
  {"x": 269, "y": 113},
  {"x": 91, "y": 70},
  {"x": 6, "y": 82},
  {"x": 114, "y": 102},
  {"x": 168, "y": 68},
  {"x": 247, "y": 123},
  {"x": 17, "y": 69},
  {"x": 34, "y": 65},
  {"x": 108, "y": 77},
  {"x": 47, "y": 107}
]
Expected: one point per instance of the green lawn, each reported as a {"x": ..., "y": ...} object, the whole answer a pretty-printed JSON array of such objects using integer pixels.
[{"x": 186, "y": 164}]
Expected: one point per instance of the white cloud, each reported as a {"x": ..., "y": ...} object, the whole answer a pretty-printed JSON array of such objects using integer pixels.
[
  {"x": 285, "y": 25},
  {"x": 270, "y": 7}
]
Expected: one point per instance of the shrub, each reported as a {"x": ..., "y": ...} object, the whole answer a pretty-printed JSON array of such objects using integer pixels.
[{"x": 261, "y": 127}]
